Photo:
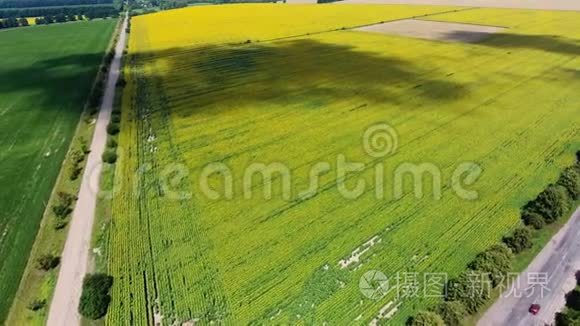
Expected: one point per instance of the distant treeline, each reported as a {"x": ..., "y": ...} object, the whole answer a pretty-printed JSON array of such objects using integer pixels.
[
  {"x": 22, "y": 22},
  {"x": 58, "y": 19},
  {"x": 13, "y": 22},
  {"x": 245, "y": 1},
  {"x": 88, "y": 11},
  {"x": 49, "y": 3},
  {"x": 232, "y": 1},
  {"x": 137, "y": 8}
]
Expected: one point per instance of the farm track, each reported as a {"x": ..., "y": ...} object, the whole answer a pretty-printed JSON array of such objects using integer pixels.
[{"x": 75, "y": 256}]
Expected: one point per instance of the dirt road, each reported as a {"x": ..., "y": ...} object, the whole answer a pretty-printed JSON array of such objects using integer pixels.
[
  {"x": 75, "y": 257},
  {"x": 559, "y": 261}
]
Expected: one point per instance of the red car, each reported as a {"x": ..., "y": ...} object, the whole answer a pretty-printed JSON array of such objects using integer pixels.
[{"x": 534, "y": 309}]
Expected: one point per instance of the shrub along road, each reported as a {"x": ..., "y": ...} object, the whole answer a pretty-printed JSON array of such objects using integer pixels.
[
  {"x": 75, "y": 257},
  {"x": 559, "y": 261}
]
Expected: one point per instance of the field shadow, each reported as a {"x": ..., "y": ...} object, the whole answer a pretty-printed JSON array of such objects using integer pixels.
[
  {"x": 547, "y": 43},
  {"x": 303, "y": 71},
  {"x": 48, "y": 80}
]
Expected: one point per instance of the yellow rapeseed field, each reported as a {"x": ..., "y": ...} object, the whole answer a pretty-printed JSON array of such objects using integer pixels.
[
  {"x": 303, "y": 91},
  {"x": 257, "y": 22}
]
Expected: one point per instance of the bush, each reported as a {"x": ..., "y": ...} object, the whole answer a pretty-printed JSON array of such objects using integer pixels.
[
  {"x": 425, "y": 318},
  {"x": 59, "y": 224},
  {"x": 77, "y": 156},
  {"x": 562, "y": 319},
  {"x": 573, "y": 300},
  {"x": 121, "y": 82},
  {"x": 570, "y": 180},
  {"x": 468, "y": 288},
  {"x": 75, "y": 171},
  {"x": 109, "y": 156},
  {"x": 92, "y": 111},
  {"x": 84, "y": 146},
  {"x": 113, "y": 128},
  {"x": 36, "y": 305},
  {"x": 64, "y": 205},
  {"x": 95, "y": 99},
  {"x": 115, "y": 118},
  {"x": 519, "y": 240},
  {"x": 47, "y": 262},
  {"x": 550, "y": 203},
  {"x": 112, "y": 143},
  {"x": 496, "y": 261},
  {"x": 534, "y": 220},
  {"x": 452, "y": 312},
  {"x": 61, "y": 211},
  {"x": 66, "y": 198},
  {"x": 109, "y": 56},
  {"x": 95, "y": 297}
]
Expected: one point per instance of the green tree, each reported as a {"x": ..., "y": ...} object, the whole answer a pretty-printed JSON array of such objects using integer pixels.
[
  {"x": 562, "y": 319},
  {"x": 469, "y": 288},
  {"x": 113, "y": 128},
  {"x": 534, "y": 220},
  {"x": 95, "y": 296},
  {"x": 519, "y": 240},
  {"x": 426, "y": 318},
  {"x": 10, "y": 22},
  {"x": 496, "y": 261},
  {"x": 452, "y": 312},
  {"x": 36, "y": 304},
  {"x": 109, "y": 156},
  {"x": 550, "y": 203},
  {"x": 60, "y": 18},
  {"x": 112, "y": 143},
  {"x": 573, "y": 300},
  {"x": 570, "y": 180},
  {"x": 47, "y": 262}
]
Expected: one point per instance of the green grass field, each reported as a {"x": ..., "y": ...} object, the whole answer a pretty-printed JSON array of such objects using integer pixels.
[
  {"x": 46, "y": 74},
  {"x": 203, "y": 94}
]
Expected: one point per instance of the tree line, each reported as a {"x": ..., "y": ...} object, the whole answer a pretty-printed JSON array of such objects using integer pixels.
[
  {"x": 49, "y": 3},
  {"x": 495, "y": 263},
  {"x": 13, "y": 22},
  {"x": 88, "y": 11},
  {"x": 570, "y": 316},
  {"x": 46, "y": 20}
]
